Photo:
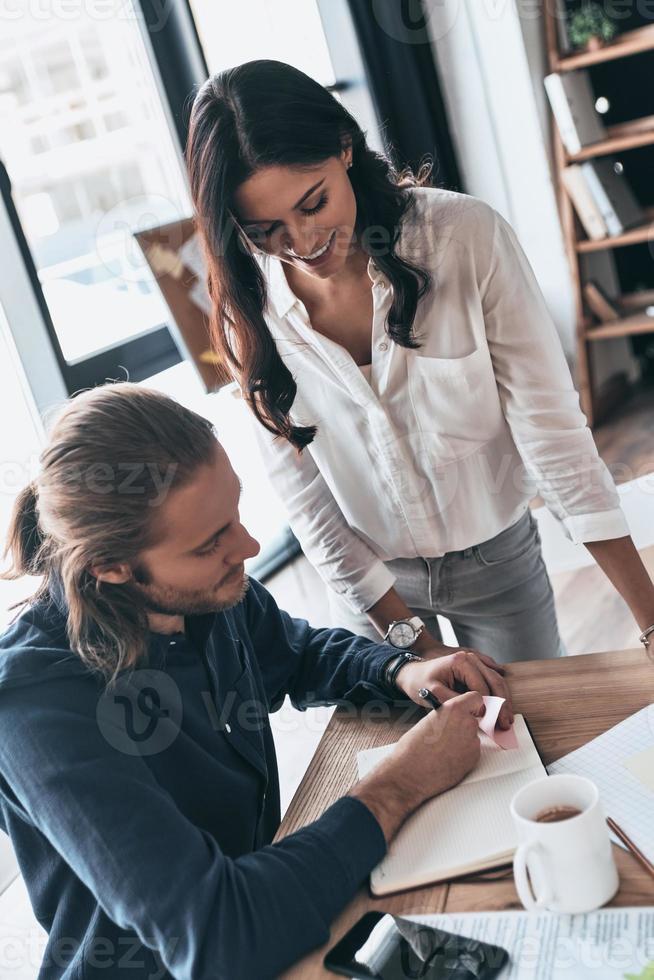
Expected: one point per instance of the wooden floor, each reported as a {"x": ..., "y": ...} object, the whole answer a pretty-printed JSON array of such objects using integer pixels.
[
  {"x": 592, "y": 616},
  {"x": 626, "y": 443}
]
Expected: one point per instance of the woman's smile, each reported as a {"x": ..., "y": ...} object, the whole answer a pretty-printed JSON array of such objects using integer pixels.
[{"x": 317, "y": 257}]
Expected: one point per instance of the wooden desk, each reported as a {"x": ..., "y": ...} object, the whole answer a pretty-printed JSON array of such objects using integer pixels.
[{"x": 567, "y": 702}]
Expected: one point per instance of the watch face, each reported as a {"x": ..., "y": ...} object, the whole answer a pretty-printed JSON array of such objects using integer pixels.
[{"x": 402, "y": 635}]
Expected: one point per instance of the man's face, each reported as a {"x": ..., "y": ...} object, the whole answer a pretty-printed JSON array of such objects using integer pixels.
[{"x": 196, "y": 566}]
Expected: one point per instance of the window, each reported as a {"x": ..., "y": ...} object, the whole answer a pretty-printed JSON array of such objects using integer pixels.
[
  {"x": 289, "y": 31},
  {"x": 87, "y": 146}
]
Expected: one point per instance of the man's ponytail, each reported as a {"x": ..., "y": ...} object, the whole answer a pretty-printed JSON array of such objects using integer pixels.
[{"x": 25, "y": 540}]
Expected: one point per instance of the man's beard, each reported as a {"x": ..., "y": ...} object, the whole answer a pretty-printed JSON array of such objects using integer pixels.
[{"x": 168, "y": 601}]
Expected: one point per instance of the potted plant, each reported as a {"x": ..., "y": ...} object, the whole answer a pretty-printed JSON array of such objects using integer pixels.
[{"x": 590, "y": 27}]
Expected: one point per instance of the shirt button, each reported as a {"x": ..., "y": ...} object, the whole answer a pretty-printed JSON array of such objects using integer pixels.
[
  {"x": 228, "y": 728},
  {"x": 173, "y": 643},
  {"x": 383, "y": 346}
]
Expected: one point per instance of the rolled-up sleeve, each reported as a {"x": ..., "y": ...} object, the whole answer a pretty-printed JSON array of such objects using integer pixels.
[
  {"x": 344, "y": 561},
  {"x": 539, "y": 400}
]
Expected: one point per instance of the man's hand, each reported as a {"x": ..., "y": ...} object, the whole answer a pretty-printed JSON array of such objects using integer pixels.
[
  {"x": 430, "y": 758},
  {"x": 448, "y": 675}
]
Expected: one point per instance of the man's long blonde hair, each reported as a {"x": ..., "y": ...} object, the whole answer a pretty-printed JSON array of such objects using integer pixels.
[{"x": 112, "y": 456}]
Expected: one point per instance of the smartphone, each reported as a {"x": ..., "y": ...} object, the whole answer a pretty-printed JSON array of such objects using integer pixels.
[{"x": 387, "y": 947}]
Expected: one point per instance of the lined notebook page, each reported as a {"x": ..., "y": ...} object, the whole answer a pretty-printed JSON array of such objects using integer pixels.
[
  {"x": 466, "y": 829},
  {"x": 624, "y": 797},
  {"x": 493, "y": 761}
]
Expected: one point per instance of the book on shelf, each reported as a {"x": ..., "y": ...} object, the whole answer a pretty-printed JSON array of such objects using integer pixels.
[
  {"x": 584, "y": 203},
  {"x": 613, "y": 195},
  {"x": 602, "y": 198},
  {"x": 573, "y": 105}
]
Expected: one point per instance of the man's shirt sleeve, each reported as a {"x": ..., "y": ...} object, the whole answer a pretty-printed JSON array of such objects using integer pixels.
[{"x": 313, "y": 665}]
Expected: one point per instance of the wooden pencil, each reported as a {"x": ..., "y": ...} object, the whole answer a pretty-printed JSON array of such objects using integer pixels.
[{"x": 619, "y": 832}]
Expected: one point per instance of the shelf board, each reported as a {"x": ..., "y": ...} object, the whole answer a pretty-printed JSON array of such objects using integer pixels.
[
  {"x": 615, "y": 144},
  {"x": 629, "y": 43},
  {"x": 636, "y": 301},
  {"x": 624, "y": 327},
  {"x": 634, "y": 236}
]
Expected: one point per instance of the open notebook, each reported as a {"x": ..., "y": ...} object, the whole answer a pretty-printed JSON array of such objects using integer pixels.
[{"x": 468, "y": 828}]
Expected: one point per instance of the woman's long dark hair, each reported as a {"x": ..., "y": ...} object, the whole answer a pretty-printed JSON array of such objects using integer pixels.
[{"x": 266, "y": 113}]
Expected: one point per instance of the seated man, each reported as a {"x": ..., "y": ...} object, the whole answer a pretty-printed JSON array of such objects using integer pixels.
[{"x": 138, "y": 778}]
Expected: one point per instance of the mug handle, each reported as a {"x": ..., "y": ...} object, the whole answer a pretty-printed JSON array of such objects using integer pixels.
[{"x": 522, "y": 883}]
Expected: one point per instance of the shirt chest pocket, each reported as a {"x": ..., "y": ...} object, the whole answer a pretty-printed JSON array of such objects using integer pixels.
[
  {"x": 461, "y": 370},
  {"x": 456, "y": 401}
]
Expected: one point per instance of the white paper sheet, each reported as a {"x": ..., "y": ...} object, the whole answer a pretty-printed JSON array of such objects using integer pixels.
[
  {"x": 610, "y": 944},
  {"x": 625, "y": 797}
]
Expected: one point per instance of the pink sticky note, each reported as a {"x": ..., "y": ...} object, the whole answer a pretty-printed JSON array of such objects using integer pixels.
[{"x": 505, "y": 739}]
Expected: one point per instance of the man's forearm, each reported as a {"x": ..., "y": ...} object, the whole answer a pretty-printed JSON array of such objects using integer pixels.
[
  {"x": 389, "y": 801},
  {"x": 623, "y": 566}
]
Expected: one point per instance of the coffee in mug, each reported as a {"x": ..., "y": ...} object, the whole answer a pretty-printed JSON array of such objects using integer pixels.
[{"x": 556, "y": 813}]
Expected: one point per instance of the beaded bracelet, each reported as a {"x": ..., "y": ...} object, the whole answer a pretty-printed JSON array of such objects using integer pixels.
[{"x": 645, "y": 635}]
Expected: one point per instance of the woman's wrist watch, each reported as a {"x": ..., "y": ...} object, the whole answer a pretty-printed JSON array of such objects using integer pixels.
[{"x": 403, "y": 633}]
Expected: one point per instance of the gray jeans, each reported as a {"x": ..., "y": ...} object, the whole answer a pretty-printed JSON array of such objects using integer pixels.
[{"x": 497, "y": 595}]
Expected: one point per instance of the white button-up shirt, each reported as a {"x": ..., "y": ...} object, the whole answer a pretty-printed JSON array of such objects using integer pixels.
[{"x": 445, "y": 445}]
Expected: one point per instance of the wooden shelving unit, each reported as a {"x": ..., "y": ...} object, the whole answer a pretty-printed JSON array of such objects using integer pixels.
[
  {"x": 634, "y": 236},
  {"x": 614, "y": 144},
  {"x": 627, "y": 136},
  {"x": 631, "y": 42}
]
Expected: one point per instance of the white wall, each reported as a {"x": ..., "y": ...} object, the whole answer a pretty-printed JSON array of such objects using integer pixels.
[{"x": 494, "y": 116}]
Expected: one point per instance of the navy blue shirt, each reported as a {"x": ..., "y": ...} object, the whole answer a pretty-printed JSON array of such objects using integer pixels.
[{"x": 142, "y": 816}]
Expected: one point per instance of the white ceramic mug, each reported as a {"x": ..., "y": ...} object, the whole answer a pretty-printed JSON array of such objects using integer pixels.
[{"x": 570, "y": 862}]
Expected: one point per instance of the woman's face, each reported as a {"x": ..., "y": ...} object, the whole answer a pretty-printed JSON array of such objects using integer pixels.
[{"x": 305, "y": 216}]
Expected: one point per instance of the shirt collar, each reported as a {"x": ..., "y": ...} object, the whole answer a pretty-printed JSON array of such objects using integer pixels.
[{"x": 280, "y": 295}]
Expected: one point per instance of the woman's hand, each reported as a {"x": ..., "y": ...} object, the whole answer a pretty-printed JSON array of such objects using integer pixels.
[{"x": 448, "y": 674}]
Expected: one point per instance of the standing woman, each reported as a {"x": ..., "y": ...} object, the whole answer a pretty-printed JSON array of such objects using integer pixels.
[{"x": 409, "y": 386}]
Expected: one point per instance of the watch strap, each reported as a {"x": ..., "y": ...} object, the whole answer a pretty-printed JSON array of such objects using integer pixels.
[{"x": 393, "y": 667}]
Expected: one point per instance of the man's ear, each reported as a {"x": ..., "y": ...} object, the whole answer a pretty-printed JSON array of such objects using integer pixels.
[{"x": 113, "y": 574}]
